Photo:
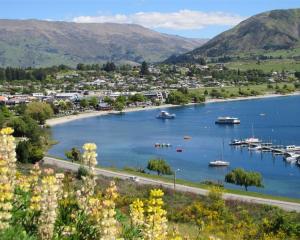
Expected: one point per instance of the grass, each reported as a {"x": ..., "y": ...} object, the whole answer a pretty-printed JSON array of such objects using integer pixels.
[
  {"x": 169, "y": 179},
  {"x": 266, "y": 66},
  {"x": 234, "y": 90}
]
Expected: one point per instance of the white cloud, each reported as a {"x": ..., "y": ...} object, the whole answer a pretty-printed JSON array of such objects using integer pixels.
[{"x": 181, "y": 20}]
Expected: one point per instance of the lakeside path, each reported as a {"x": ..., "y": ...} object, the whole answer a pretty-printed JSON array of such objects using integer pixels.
[
  {"x": 288, "y": 206},
  {"x": 65, "y": 119}
]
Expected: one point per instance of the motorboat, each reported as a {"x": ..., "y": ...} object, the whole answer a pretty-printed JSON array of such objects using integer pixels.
[
  {"x": 165, "y": 115},
  {"x": 292, "y": 148},
  {"x": 228, "y": 120},
  {"x": 252, "y": 140},
  {"x": 255, "y": 147},
  {"x": 218, "y": 163},
  {"x": 236, "y": 142}
]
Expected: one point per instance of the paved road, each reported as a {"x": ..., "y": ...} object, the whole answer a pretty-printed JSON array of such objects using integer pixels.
[{"x": 289, "y": 206}]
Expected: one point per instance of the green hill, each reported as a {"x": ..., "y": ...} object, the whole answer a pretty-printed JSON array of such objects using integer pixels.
[
  {"x": 265, "y": 33},
  {"x": 44, "y": 43}
]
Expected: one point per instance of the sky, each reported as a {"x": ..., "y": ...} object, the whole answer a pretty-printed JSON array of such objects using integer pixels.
[{"x": 187, "y": 18}]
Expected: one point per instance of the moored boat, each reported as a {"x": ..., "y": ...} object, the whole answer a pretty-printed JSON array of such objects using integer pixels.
[
  {"x": 165, "y": 115},
  {"x": 218, "y": 163},
  {"x": 227, "y": 120}
]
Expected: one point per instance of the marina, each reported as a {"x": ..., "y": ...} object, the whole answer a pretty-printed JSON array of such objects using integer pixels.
[{"x": 128, "y": 140}]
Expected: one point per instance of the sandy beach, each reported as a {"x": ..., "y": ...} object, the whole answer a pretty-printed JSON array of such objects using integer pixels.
[{"x": 65, "y": 119}]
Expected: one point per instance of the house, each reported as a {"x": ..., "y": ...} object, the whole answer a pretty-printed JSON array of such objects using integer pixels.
[{"x": 104, "y": 107}]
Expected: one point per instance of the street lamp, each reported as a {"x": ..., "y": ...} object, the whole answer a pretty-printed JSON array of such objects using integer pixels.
[{"x": 177, "y": 170}]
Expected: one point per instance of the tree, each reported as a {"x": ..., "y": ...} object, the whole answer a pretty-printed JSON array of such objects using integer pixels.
[
  {"x": 74, "y": 155},
  {"x": 297, "y": 75},
  {"x": 119, "y": 106},
  {"x": 84, "y": 103},
  {"x": 144, "y": 69},
  {"x": 160, "y": 166},
  {"x": 241, "y": 177},
  {"x": 22, "y": 151},
  {"x": 93, "y": 101},
  {"x": 39, "y": 111}
]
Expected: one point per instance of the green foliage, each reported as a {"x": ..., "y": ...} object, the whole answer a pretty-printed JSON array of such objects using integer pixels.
[
  {"x": 160, "y": 166},
  {"x": 74, "y": 155},
  {"x": 177, "y": 97},
  {"x": 241, "y": 177},
  {"x": 15, "y": 233},
  {"x": 93, "y": 101},
  {"x": 84, "y": 103},
  {"x": 144, "y": 69},
  {"x": 137, "y": 98},
  {"x": 23, "y": 151},
  {"x": 82, "y": 172},
  {"x": 39, "y": 111}
]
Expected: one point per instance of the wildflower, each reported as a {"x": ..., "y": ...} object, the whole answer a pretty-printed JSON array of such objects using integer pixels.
[
  {"x": 89, "y": 159},
  {"x": 7, "y": 175},
  {"x": 108, "y": 224},
  {"x": 49, "y": 203},
  {"x": 137, "y": 212},
  {"x": 156, "y": 221},
  {"x": 35, "y": 200}
]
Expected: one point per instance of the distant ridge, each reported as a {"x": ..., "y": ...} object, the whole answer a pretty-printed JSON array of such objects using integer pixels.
[
  {"x": 273, "y": 30},
  {"x": 44, "y": 43}
]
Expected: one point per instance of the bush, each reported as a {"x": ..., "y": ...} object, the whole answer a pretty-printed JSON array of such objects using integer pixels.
[
  {"x": 23, "y": 151},
  {"x": 82, "y": 172}
]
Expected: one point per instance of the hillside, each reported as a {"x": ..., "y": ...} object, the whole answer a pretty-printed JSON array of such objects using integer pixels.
[
  {"x": 270, "y": 31},
  {"x": 43, "y": 43}
]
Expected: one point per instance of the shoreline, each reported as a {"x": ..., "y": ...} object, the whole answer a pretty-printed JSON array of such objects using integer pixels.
[{"x": 65, "y": 119}]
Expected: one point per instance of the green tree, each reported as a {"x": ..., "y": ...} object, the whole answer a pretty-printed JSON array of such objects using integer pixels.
[
  {"x": 39, "y": 111},
  {"x": 119, "y": 106},
  {"x": 177, "y": 97},
  {"x": 23, "y": 151},
  {"x": 93, "y": 101},
  {"x": 144, "y": 69},
  {"x": 84, "y": 103},
  {"x": 160, "y": 166},
  {"x": 241, "y": 177},
  {"x": 74, "y": 155}
]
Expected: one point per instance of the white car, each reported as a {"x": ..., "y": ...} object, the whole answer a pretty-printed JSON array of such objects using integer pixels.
[{"x": 134, "y": 179}]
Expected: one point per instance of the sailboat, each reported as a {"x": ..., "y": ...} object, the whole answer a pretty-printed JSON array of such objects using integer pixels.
[
  {"x": 219, "y": 163},
  {"x": 252, "y": 140}
]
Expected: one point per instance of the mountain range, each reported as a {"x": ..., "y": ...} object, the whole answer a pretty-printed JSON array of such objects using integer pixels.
[
  {"x": 268, "y": 31},
  {"x": 43, "y": 43}
]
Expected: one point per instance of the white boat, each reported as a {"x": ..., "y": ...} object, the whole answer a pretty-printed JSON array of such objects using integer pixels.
[
  {"x": 255, "y": 147},
  {"x": 218, "y": 163},
  {"x": 165, "y": 115},
  {"x": 252, "y": 140},
  {"x": 227, "y": 120},
  {"x": 291, "y": 157},
  {"x": 236, "y": 142},
  {"x": 292, "y": 148}
]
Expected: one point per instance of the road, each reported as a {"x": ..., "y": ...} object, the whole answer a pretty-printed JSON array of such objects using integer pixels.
[{"x": 288, "y": 206}]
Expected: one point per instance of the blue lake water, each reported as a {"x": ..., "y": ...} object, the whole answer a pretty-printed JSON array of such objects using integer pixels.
[{"x": 128, "y": 140}]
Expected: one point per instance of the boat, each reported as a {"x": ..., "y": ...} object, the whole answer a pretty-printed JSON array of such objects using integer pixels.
[
  {"x": 292, "y": 148},
  {"x": 255, "y": 147},
  {"x": 227, "y": 120},
  {"x": 187, "y": 137},
  {"x": 291, "y": 157},
  {"x": 179, "y": 149},
  {"x": 165, "y": 115},
  {"x": 236, "y": 142},
  {"x": 252, "y": 140},
  {"x": 218, "y": 164}
]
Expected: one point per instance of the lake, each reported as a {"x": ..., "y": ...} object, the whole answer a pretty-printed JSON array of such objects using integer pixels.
[{"x": 128, "y": 140}]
